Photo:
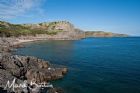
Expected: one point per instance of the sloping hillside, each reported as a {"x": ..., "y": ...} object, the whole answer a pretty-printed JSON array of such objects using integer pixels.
[
  {"x": 103, "y": 34},
  {"x": 51, "y": 30}
]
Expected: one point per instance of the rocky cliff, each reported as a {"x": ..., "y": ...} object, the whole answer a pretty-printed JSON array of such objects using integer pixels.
[
  {"x": 51, "y": 30},
  {"x": 50, "y": 26}
]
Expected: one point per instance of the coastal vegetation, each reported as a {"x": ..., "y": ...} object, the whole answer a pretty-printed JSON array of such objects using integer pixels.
[
  {"x": 66, "y": 29},
  {"x": 8, "y": 30}
]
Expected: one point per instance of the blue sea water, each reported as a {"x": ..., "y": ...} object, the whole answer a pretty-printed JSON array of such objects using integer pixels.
[{"x": 96, "y": 65}]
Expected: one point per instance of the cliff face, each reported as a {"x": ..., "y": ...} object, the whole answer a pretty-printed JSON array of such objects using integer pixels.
[
  {"x": 50, "y": 26},
  {"x": 64, "y": 29},
  {"x": 51, "y": 30}
]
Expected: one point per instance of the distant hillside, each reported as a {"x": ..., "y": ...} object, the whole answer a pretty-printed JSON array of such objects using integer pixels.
[
  {"x": 103, "y": 34},
  {"x": 50, "y": 30}
]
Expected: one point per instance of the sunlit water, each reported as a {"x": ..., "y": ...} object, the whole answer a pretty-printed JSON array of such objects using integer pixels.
[{"x": 96, "y": 65}]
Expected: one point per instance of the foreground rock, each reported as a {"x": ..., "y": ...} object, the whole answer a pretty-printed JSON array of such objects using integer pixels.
[
  {"x": 29, "y": 71},
  {"x": 27, "y": 68}
]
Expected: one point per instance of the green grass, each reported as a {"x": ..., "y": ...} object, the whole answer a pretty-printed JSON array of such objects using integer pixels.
[
  {"x": 7, "y": 30},
  {"x": 18, "y": 31}
]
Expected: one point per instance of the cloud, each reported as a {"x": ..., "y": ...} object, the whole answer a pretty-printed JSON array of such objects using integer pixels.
[{"x": 13, "y": 8}]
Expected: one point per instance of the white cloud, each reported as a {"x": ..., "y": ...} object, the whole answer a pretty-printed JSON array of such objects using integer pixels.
[{"x": 13, "y": 8}]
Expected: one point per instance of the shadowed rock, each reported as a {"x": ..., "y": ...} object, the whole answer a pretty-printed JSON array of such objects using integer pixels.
[{"x": 25, "y": 68}]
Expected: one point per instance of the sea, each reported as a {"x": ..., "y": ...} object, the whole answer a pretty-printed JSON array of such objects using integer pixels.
[{"x": 95, "y": 65}]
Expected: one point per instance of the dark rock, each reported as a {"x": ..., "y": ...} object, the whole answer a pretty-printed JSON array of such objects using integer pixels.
[
  {"x": 27, "y": 68},
  {"x": 55, "y": 90},
  {"x": 21, "y": 68}
]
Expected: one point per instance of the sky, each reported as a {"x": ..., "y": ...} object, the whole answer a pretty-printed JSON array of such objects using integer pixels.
[{"x": 119, "y": 16}]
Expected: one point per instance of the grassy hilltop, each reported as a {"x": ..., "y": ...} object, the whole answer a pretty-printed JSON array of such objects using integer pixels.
[
  {"x": 52, "y": 28},
  {"x": 63, "y": 28}
]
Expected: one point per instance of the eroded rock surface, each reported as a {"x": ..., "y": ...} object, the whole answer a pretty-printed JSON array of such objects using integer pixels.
[{"x": 26, "y": 68}]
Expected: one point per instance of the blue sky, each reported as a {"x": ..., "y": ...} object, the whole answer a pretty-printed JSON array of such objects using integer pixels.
[{"x": 120, "y": 16}]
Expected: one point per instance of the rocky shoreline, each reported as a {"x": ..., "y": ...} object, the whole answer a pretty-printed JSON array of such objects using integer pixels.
[{"x": 26, "y": 68}]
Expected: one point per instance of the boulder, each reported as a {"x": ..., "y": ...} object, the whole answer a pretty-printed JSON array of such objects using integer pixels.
[{"x": 27, "y": 68}]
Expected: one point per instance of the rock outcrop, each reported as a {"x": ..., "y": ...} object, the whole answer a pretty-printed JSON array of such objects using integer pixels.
[{"x": 26, "y": 68}]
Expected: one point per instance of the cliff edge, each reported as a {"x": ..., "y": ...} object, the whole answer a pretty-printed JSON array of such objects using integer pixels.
[{"x": 50, "y": 30}]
